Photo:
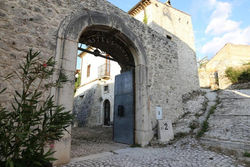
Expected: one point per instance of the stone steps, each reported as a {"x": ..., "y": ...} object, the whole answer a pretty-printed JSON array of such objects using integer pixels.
[{"x": 229, "y": 126}]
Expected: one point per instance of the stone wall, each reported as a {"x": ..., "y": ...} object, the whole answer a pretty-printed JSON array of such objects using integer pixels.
[
  {"x": 172, "y": 22},
  {"x": 162, "y": 72},
  {"x": 204, "y": 78},
  {"x": 86, "y": 107},
  {"x": 52, "y": 28}
]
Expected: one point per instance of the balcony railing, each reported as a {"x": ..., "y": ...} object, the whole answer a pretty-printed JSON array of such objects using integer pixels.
[{"x": 104, "y": 71}]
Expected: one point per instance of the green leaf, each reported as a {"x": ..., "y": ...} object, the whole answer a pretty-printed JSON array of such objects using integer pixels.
[
  {"x": 18, "y": 94},
  {"x": 3, "y": 90},
  {"x": 9, "y": 163},
  {"x": 37, "y": 163},
  {"x": 8, "y": 76}
]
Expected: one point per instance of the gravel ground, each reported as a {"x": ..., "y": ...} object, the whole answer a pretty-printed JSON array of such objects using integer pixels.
[
  {"x": 186, "y": 152},
  {"x": 87, "y": 141}
]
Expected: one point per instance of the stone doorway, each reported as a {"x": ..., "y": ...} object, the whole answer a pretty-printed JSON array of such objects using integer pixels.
[
  {"x": 110, "y": 44},
  {"x": 106, "y": 107},
  {"x": 97, "y": 30}
]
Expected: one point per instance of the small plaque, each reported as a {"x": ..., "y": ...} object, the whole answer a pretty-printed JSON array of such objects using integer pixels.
[
  {"x": 158, "y": 113},
  {"x": 165, "y": 130}
]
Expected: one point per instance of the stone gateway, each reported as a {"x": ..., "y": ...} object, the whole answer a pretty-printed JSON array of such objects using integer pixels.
[{"x": 55, "y": 28}]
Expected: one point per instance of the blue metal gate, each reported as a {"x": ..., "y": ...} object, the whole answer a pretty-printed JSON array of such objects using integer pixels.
[{"x": 124, "y": 108}]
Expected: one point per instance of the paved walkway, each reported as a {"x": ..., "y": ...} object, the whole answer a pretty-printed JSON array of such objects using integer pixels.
[
  {"x": 229, "y": 126},
  {"x": 185, "y": 153}
]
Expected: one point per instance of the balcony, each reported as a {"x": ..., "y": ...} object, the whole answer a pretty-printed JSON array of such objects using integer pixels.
[{"x": 104, "y": 71}]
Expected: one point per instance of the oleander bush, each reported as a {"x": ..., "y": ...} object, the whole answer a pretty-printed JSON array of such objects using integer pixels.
[{"x": 33, "y": 123}]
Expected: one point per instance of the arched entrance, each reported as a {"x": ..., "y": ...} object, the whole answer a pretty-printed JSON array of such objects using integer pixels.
[
  {"x": 111, "y": 41},
  {"x": 106, "y": 111},
  {"x": 85, "y": 27}
]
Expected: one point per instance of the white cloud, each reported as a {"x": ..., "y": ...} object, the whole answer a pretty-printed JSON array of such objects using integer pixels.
[
  {"x": 222, "y": 10},
  {"x": 220, "y": 22},
  {"x": 222, "y": 29},
  {"x": 212, "y": 2},
  {"x": 239, "y": 36},
  {"x": 219, "y": 26}
]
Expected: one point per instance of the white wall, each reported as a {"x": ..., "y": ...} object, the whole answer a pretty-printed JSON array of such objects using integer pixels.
[{"x": 95, "y": 62}]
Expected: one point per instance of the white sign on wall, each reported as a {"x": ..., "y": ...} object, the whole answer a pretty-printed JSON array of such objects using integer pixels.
[{"x": 158, "y": 113}]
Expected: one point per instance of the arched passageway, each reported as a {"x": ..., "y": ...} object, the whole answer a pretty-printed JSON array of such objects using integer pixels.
[
  {"x": 94, "y": 29},
  {"x": 107, "y": 40}
]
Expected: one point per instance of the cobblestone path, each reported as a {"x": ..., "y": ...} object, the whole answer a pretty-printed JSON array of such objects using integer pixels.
[{"x": 184, "y": 153}]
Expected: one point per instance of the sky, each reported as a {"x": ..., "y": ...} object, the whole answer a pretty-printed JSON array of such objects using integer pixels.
[{"x": 215, "y": 22}]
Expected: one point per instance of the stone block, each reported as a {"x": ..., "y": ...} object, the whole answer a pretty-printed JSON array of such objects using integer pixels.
[{"x": 165, "y": 130}]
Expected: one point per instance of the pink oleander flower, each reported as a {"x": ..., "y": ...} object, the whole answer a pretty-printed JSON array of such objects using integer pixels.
[
  {"x": 52, "y": 145},
  {"x": 45, "y": 65}
]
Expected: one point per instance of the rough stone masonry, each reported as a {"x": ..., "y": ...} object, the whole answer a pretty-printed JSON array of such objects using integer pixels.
[{"x": 54, "y": 27}]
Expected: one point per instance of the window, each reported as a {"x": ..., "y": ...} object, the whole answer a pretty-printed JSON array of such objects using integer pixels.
[
  {"x": 88, "y": 70},
  {"x": 106, "y": 88}
]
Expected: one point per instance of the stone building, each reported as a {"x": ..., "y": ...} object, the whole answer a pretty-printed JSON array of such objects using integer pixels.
[
  {"x": 94, "y": 99},
  {"x": 152, "y": 64},
  {"x": 177, "y": 26},
  {"x": 171, "y": 23},
  {"x": 212, "y": 74}
]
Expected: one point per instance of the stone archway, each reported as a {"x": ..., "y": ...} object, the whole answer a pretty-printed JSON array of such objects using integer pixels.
[{"x": 68, "y": 37}]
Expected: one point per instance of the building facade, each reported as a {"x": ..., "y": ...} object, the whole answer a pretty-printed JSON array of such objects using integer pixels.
[
  {"x": 94, "y": 99},
  {"x": 212, "y": 74}
]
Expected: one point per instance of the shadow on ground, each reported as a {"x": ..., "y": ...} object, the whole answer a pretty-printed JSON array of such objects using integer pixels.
[{"x": 87, "y": 141}]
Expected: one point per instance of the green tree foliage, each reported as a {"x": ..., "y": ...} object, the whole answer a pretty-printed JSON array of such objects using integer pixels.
[
  {"x": 245, "y": 76},
  {"x": 232, "y": 74},
  {"x": 78, "y": 82},
  {"x": 33, "y": 123},
  {"x": 238, "y": 75}
]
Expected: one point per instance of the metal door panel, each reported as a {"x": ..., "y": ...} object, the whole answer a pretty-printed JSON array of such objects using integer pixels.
[
  {"x": 124, "y": 83},
  {"x": 124, "y": 108}
]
